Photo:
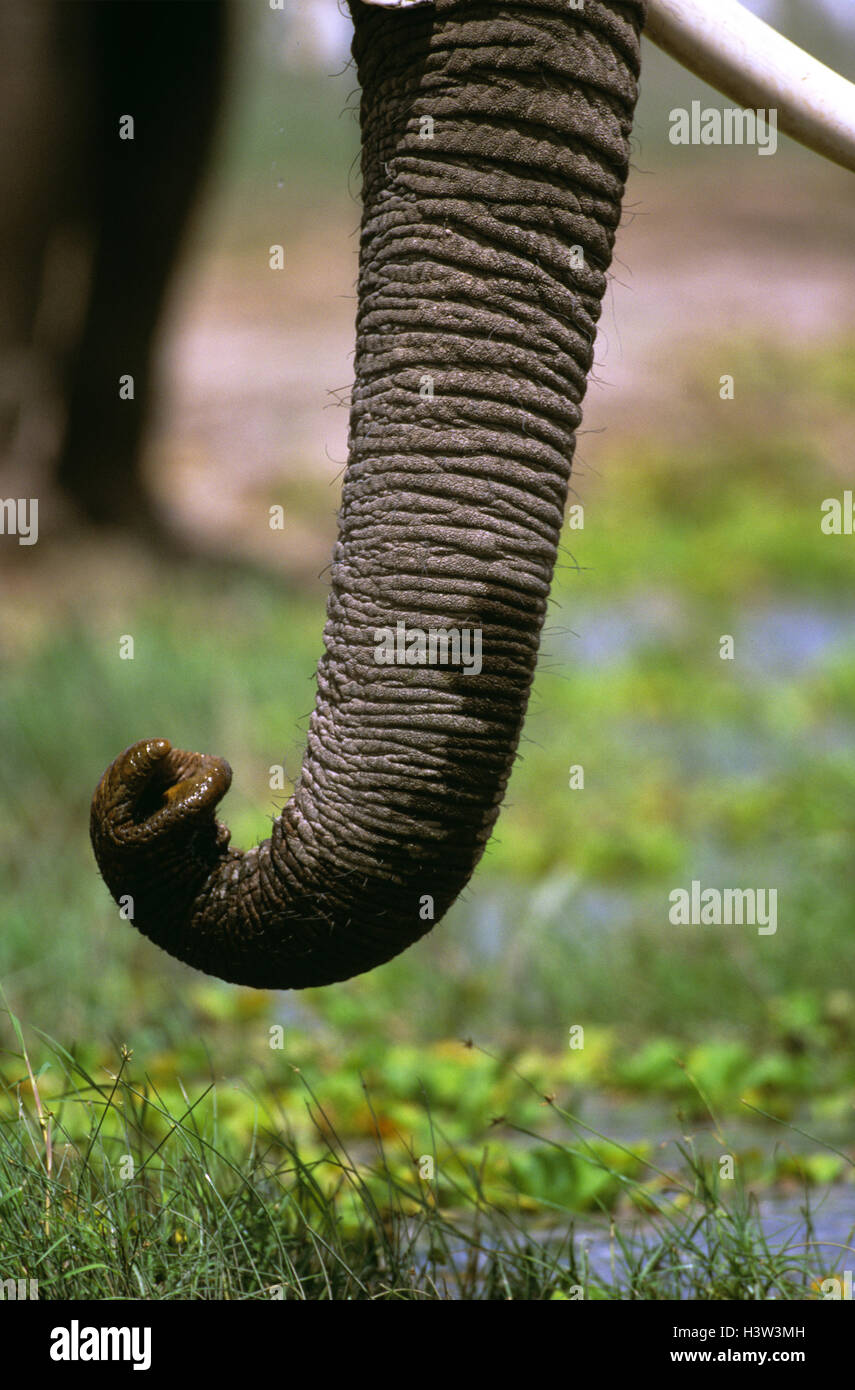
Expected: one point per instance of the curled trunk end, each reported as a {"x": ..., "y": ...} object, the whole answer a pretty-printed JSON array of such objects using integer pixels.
[{"x": 495, "y": 149}]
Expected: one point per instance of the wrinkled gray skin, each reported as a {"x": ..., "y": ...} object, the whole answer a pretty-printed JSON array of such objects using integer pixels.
[{"x": 452, "y": 505}]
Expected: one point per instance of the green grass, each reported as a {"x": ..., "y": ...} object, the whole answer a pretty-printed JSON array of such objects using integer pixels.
[{"x": 109, "y": 1192}]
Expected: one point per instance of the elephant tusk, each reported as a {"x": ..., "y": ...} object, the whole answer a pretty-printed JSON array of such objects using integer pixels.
[
  {"x": 750, "y": 62},
  {"x": 728, "y": 47}
]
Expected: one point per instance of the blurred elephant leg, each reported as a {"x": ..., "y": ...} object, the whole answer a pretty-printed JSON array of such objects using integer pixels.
[
  {"x": 44, "y": 96},
  {"x": 162, "y": 64}
]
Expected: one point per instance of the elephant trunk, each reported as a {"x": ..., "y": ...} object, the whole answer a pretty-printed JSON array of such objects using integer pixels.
[{"x": 495, "y": 149}]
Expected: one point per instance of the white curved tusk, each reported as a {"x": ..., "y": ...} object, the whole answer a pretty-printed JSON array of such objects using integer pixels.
[{"x": 747, "y": 60}]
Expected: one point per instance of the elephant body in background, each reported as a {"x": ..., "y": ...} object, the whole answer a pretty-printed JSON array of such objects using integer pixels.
[
  {"x": 495, "y": 151},
  {"x": 90, "y": 225}
]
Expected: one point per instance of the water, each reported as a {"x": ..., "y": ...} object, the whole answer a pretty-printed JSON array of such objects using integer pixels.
[
  {"x": 830, "y": 1241},
  {"x": 777, "y": 640}
]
